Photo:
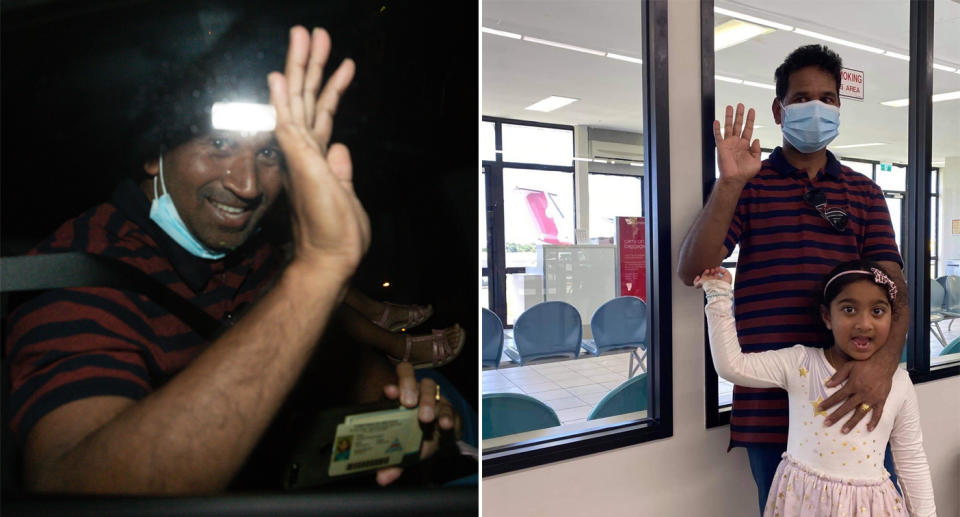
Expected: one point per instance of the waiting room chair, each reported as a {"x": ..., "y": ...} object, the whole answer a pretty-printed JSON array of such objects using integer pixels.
[
  {"x": 951, "y": 299},
  {"x": 512, "y": 413},
  {"x": 548, "y": 329},
  {"x": 937, "y": 295},
  {"x": 617, "y": 324},
  {"x": 626, "y": 398},
  {"x": 952, "y": 348},
  {"x": 491, "y": 338}
]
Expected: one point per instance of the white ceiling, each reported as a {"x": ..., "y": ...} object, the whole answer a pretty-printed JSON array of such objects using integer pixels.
[{"x": 518, "y": 73}]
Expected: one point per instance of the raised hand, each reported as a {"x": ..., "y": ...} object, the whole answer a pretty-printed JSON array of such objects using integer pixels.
[
  {"x": 713, "y": 273},
  {"x": 330, "y": 227},
  {"x": 737, "y": 158}
]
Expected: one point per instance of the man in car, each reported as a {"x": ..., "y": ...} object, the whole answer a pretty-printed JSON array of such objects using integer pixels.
[{"x": 113, "y": 394}]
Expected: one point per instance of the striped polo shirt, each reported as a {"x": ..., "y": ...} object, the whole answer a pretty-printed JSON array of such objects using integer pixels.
[
  {"x": 69, "y": 344},
  {"x": 786, "y": 248}
]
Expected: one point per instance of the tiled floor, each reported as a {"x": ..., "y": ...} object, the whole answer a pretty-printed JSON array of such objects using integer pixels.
[{"x": 571, "y": 387}]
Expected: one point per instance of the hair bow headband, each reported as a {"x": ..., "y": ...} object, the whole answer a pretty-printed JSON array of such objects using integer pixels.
[{"x": 879, "y": 278}]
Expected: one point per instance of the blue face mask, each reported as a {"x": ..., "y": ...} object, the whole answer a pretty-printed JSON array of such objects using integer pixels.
[
  {"x": 811, "y": 125},
  {"x": 164, "y": 213}
]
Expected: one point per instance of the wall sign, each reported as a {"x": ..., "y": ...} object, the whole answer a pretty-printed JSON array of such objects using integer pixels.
[
  {"x": 851, "y": 84},
  {"x": 632, "y": 256}
]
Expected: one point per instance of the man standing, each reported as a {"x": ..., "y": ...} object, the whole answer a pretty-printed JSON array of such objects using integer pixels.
[
  {"x": 110, "y": 392},
  {"x": 795, "y": 216}
]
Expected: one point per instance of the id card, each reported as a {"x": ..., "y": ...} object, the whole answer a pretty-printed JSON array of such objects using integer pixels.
[
  {"x": 374, "y": 440},
  {"x": 341, "y": 442}
]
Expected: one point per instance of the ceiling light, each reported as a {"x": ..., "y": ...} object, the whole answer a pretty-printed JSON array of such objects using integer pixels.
[
  {"x": 735, "y": 32},
  {"x": 578, "y": 159},
  {"x": 624, "y": 58},
  {"x": 728, "y": 79},
  {"x": 550, "y": 103},
  {"x": 945, "y": 68},
  {"x": 564, "y": 46},
  {"x": 937, "y": 97},
  {"x": 898, "y": 56},
  {"x": 838, "y": 41},
  {"x": 753, "y": 19},
  {"x": 871, "y": 144},
  {"x": 760, "y": 85},
  {"x": 948, "y": 96},
  {"x": 637, "y": 164},
  {"x": 899, "y": 103},
  {"x": 505, "y": 34}
]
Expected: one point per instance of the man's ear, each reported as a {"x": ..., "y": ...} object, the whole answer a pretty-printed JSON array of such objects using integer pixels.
[
  {"x": 777, "y": 110},
  {"x": 825, "y": 316},
  {"x": 152, "y": 168}
]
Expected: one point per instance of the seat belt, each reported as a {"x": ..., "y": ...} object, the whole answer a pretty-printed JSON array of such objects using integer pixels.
[{"x": 78, "y": 269}]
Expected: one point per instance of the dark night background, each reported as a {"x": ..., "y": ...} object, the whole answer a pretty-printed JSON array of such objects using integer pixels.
[{"x": 76, "y": 75}]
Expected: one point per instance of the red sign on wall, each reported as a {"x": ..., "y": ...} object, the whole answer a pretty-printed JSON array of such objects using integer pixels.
[
  {"x": 851, "y": 84},
  {"x": 632, "y": 254}
]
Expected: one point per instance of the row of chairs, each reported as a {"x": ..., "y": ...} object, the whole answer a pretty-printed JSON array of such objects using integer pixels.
[
  {"x": 511, "y": 413},
  {"x": 554, "y": 329},
  {"x": 945, "y": 306}
]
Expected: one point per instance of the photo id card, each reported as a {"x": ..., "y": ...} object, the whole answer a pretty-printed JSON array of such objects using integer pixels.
[{"x": 374, "y": 440}]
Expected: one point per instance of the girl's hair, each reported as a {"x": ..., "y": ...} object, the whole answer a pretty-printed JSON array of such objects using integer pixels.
[{"x": 835, "y": 281}]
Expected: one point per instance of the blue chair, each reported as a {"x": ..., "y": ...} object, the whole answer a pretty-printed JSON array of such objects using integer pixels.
[
  {"x": 952, "y": 348},
  {"x": 951, "y": 298},
  {"x": 512, "y": 413},
  {"x": 937, "y": 295},
  {"x": 626, "y": 398},
  {"x": 491, "y": 338},
  {"x": 548, "y": 329},
  {"x": 617, "y": 324}
]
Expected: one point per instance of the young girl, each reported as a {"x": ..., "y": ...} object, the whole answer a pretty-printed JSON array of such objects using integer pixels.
[{"x": 825, "y": 472}]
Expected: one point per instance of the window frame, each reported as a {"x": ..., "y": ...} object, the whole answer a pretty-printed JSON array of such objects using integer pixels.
[
  {"x": 493, "y": 169},
  {"x": 659, "y": 279},
  {"x": 916, "y": 198}
]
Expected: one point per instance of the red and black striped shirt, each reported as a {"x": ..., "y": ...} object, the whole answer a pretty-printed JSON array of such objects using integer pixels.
[
  {"x": 786, "y": 248},
  {"x": 69, "y": 344}
]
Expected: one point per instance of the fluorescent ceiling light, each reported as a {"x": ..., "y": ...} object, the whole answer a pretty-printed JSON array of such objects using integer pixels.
[
  {"x": 945, "y": 68},
  {"x": 564, "y": 46},
  {"x": 243, "y": 116},
  {"x": 505, "y": 34},
  {"x": 752, "y": 19},
  {"x": 760, "y": 85},
  {"x": 728, "y": 79},
  {"x": 898, "y": 56},
  {"x": 735, "y": 32},
  {"x": 838, "y": 41},
  {"x": 899, "y": 103},
  {"x": 550, "y": 103},
  {"x": 637, "y": 164},
  {"x": 948, "y": 96},
  {"x": 578, "y": 159},
  {"x": 938, "y": 97},
  {"x": 625, "y": 58},
  {"x": 871, "y": 144}
]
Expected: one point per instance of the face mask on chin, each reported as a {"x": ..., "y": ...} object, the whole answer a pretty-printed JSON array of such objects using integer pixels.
[
  {"x": 164, "y": 213},
  {"x": 810, "y": 126}
]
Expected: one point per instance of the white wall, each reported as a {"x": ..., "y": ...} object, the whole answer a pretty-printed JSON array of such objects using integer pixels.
[
  {"x": 691, "y": 474},
  {"x": 949, "y": 210}
]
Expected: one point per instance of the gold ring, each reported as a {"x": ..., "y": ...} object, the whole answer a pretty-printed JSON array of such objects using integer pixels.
[
  {"x": 865, "y": 407},
  {"x": 437, "y": 396}
]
